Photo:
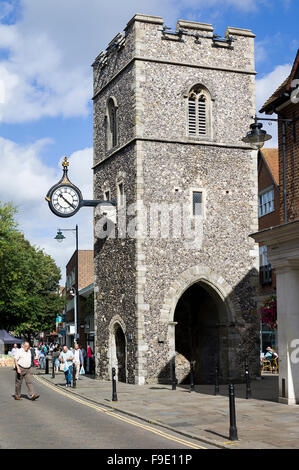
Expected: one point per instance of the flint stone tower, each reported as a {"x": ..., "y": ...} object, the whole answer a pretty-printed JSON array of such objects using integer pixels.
[{"x": 170, "y": 109}]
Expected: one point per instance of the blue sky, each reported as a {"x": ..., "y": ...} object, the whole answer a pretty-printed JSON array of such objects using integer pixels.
[{"x": 46, "y": 51}]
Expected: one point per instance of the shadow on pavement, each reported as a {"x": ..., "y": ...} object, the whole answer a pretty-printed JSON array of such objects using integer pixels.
[
  {"x": 22, "y": 397},
  {"x": 158, "y": 388},
  {"x": 216, "y": 434},
  {"x": 264, "y": 389}
]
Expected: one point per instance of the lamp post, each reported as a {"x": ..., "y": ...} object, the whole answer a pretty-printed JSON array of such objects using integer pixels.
[
  {"x": 257, "y": 137},
  {"x": 60, "y": 237}
]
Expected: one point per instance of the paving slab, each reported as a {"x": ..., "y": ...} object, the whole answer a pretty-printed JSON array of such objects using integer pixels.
[{"x": 261, "y": 423}]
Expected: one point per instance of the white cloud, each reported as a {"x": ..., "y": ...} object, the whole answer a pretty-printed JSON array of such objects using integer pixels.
[
  {"x": 25, "y": 180},
  {"x": 261, "y": 51},
  {"x": 265, "y": 87},
  {"x": 50, "y": 49}
]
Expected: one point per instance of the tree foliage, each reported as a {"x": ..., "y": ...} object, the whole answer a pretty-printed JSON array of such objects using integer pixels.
[{"x": 29, "y": 281}]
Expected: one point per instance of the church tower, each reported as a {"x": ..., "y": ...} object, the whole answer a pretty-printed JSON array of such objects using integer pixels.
[{"x": 175, "y": 268}]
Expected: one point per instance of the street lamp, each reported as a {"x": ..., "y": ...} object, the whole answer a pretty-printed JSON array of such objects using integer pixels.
[
  {"x": 256, "y": 136},
  {"x": 60, "y": 237}
]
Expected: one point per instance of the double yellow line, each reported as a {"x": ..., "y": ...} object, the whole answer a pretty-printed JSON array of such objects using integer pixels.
[{"x": 99, "y": 409}]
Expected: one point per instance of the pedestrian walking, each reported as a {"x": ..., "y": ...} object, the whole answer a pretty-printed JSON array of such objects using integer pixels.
[
  {"x": 36, "y": 356},
  {"x": 89, "y": 359},
  {"x": 42, "y": 358},
  {"x": 32, "y": 356},
  {"x": 84, "y": 354},
  {"x": 56, "y": 354},
  {"x": 14, "y": 350},
  {"x": 66, "y": 357},
  {"x": 23, "y": 360},
  {"x": 78, "y": 360}
]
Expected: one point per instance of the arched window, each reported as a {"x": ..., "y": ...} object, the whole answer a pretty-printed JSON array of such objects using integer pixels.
[
  {"x": 111, "y": 124},
  {"x": 199, "y": 112}
]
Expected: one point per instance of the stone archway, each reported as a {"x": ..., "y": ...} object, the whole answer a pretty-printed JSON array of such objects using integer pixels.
[
  {"x": 201, "y": 334},
  {"x": 118, "y": 349},
  {"x": 213, "y": 322}
]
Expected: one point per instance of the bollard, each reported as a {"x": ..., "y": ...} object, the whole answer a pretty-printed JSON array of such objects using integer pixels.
[
  {"x": 233, "y": 434},
  {"x": 53, "y": 366},
  {"x": 192, "y": 376},
  {"x": 47, "y": 366},
  {"x": 217, "y": 380},
  {"x": 174, "y": 379},
  {"x": 248, "y": 386},
  {"x": 114, "y": 395},
  {"x": 74, "y": 376}
]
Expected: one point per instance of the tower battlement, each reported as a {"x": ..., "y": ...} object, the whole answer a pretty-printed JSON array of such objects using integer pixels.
[{"x": 190, "y": 42}]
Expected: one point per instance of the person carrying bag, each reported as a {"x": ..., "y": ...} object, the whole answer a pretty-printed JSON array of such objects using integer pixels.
[{"x": 66, "y": 358}]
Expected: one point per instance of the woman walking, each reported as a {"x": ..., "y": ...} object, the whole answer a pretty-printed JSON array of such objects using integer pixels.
[{"x": 56, "y": 354}]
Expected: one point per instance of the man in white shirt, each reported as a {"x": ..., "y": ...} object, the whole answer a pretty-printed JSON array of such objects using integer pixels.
[
  {"x": 23, "y": 365},
  {"x": 14, "y": 350},
  {"x": 66, "y": 357}
]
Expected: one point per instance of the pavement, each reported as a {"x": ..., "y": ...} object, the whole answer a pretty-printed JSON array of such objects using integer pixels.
[{"x": 262, "y": 422}]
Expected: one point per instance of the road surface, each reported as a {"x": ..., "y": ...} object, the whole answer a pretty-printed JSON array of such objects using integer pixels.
[{"x": 59, "y": 420}]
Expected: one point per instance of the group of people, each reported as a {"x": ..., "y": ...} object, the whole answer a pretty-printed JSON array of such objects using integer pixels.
[
  {"x": 40, "y": 351},
  {"x": 64, "y": 359}
]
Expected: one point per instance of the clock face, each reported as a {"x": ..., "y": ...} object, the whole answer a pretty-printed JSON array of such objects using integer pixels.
[{"x": 65, "y": 201}]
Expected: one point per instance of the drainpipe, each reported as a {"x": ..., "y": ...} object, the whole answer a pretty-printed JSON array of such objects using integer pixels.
[{"x": 285, "y": 217}]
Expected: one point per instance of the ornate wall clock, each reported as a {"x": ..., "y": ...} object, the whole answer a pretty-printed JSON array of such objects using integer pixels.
[{"x": 64, "y": 198}]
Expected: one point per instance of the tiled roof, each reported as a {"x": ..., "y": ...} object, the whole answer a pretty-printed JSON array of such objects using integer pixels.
[{"x": 271, "y": 158}]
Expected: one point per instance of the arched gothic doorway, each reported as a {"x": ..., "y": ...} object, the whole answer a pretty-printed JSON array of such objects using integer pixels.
[
  {"x": 120, "y": 351},
  {"x": 201, "y": 334}
]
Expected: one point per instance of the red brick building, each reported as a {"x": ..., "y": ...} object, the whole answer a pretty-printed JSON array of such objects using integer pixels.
[
  {"x": 285, "y": 102},
  {"x": 269, "y": 216},
  {"x": 283, "y": 240},
  {"x": 85, "y": 304}
]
